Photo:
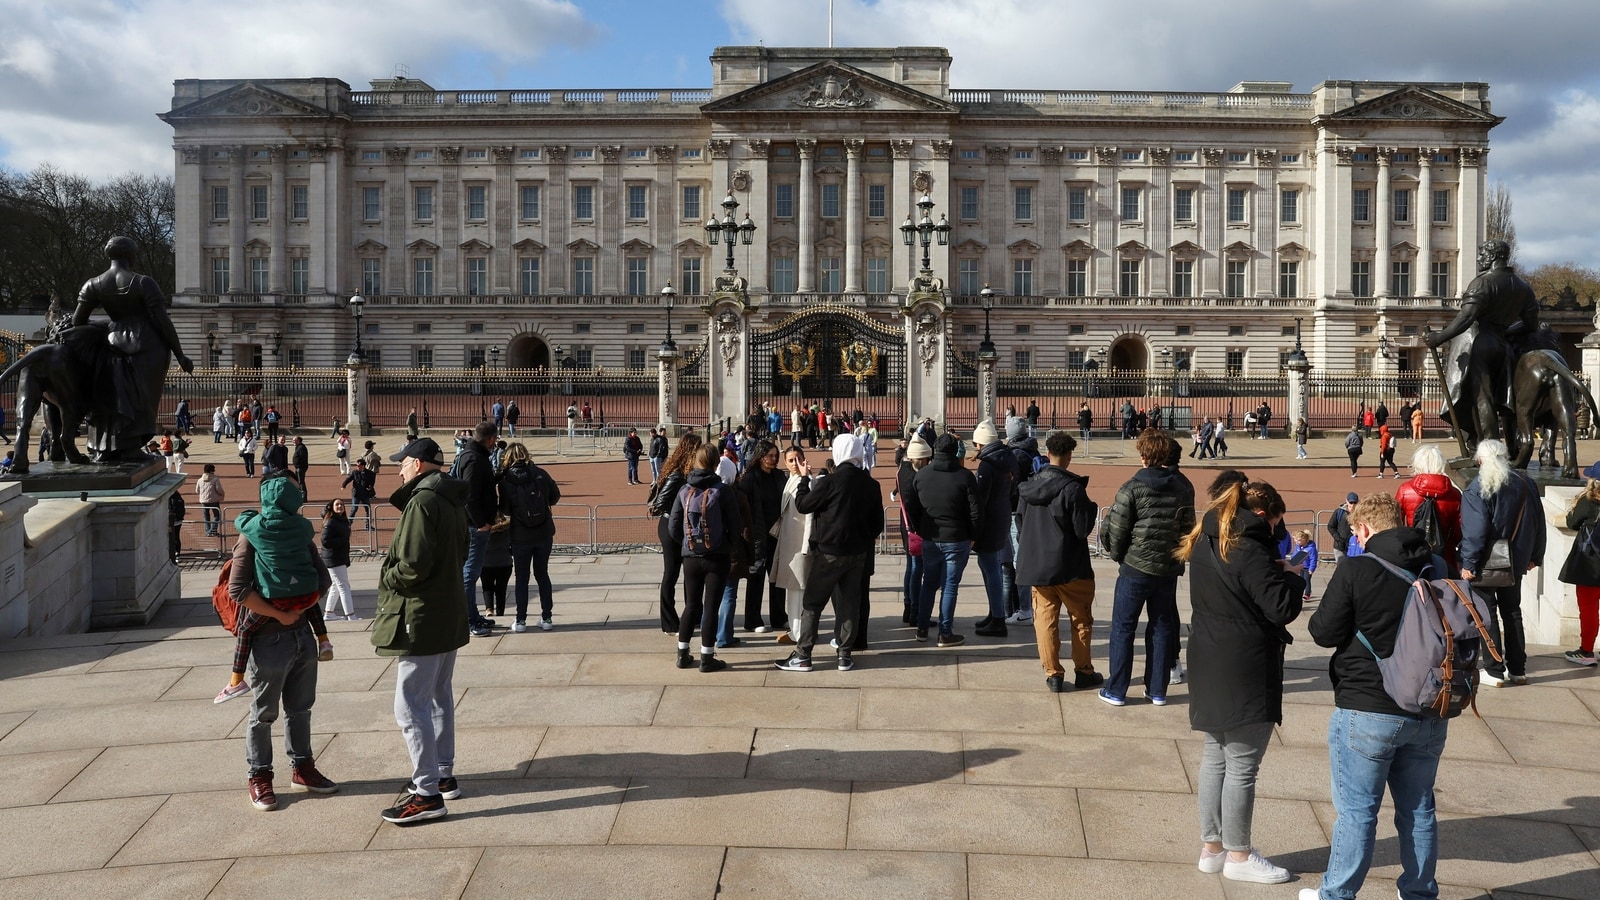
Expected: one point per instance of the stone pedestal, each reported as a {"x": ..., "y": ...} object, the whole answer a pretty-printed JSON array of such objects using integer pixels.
[
  {"x": 132, "y": 572},
  {"x": 1299, "y": 369},
  {"x": 1590, "y": 348},
  {"x": 14, "y": 595},
  {"x": 1549, "y": 607},
  {"x": 667, "y": 386},
  {"x": 355, "y": 415},
  {"x": 727, "y": 377}
]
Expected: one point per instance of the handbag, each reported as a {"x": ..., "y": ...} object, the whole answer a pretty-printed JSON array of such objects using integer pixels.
[{"x": 1497, "y": 568}]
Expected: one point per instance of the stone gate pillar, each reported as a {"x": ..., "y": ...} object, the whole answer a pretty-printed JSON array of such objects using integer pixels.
[
  {"x": 1299, "y": 369},
  {"x": 728, "y": 379},
  {"x": 667, "y": 385},
  {"x": 355, "y": 413},
  {"x": 988, "y": 389},
  {"x": 927, "y": 344}
]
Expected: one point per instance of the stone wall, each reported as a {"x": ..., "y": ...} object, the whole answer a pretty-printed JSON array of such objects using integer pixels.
[
  {"x": 1550, "y": 608},
  {"x": 58, "y": 576}
]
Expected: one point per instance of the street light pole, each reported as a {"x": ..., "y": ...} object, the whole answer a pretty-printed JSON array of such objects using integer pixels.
[
  {"x": 357, "y": 304},
  {"x": 669, "y": 299},
  {"x": 925, "y": 230},
  {"x": 730, "y": 229}
]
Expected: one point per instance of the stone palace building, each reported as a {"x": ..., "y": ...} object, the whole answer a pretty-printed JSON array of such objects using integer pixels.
[{"x": 1121, "y": 230}]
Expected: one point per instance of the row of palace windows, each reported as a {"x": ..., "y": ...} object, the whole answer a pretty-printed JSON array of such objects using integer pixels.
[
  {"x": 1024, "y": 206},
  {"x": 258, "y": 275}
]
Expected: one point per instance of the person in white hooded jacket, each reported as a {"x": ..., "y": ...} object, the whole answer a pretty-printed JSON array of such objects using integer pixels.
[{"x": 793, "y": 547}]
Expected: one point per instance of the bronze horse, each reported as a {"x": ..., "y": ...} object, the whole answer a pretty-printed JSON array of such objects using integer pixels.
[
  {"x": 56, "y": 376},
  {"x": 1545, "y": 398}
]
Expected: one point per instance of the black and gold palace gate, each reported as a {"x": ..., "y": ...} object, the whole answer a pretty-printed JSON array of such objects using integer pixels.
[{"x": 831, "y": 354}]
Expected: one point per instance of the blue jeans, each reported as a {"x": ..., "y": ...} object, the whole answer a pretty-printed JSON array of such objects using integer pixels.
[
  {"x": 725, "y": 611},
  {"x": 633, "y": 469},
  {"x": 477, "y": 549},
  {"x": 1367, "y": 751},
  {"x": 912, "y": 583},
  {"x": 942, "y": 565},
  {"x": 655, "y": 468},
  {"x": 1134, "y": 591},
  {"x": 995, "y": 566}
]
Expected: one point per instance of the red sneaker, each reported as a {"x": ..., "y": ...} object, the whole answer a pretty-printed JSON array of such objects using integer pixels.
[
  {"x": 307, "y": 778},
  {"x": 262, "y": 796}
]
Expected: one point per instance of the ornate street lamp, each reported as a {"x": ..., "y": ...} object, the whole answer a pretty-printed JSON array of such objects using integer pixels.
[
  {"x": 730, "y": 229},
  {"x": 357, "y": 304},
  {"x": 926, "y": 230},
  {"x": 988, "y": 306},
  {"x": 669, "y": 299},
  {"x": 494, "y": 357}
]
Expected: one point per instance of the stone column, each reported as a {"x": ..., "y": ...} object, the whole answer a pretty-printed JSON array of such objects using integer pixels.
[
  {"x": 355, "y": 411},
  {"x": 1299, "y": 369},
  {"x": 758, "y": 207},
  {"x": 903, "y": 262},
  {"x": 324, "y": 223},
  {"x": 853, "y": 214},
  {"x": 667, "y": 384},
  {"x": 806, "y": 278},
  {"x": 1421, "y": 277},
  {"x": 727, "y": 381},
  {"x": 939, "y": 175},
  {"x": 503, "y": 275},
  {"x": 1385, "y": 215},
  {"x": 448, "y": 214},
  {"x": 1470, "y": 227},
  {"x": 238, "y": 218},
  {"x": 278, "y": 227},
  {"x": 191, "y": 205}
]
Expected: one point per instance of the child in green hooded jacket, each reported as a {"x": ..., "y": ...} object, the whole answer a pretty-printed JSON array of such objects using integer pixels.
[{"x": 286, "y": 572}]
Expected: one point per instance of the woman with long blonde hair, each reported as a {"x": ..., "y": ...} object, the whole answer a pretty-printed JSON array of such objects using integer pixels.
[
  {"x": 1243, "y": 595},
  {"x": 1582, "y": 568},
  {"x": 674, "y": 475},
  {"x": 1501, "y": 504}
]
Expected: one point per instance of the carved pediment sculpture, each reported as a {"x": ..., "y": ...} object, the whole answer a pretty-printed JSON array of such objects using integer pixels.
[
  {"x": 927, "y": 331},
  {"x": 833, "y": 92}
]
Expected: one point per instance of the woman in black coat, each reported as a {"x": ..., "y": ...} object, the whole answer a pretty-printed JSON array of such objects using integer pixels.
[
  {"x": 1243, "y": 596},
  {"x": 762, "y": 484},
  {"x": 674, "y": 475},
  {"x": 1583, "y": 570},
  {"x": 335, "y": 552}
]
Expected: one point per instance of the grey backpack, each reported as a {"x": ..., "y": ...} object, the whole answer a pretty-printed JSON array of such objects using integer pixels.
[{"x": 1433, "y": 669}]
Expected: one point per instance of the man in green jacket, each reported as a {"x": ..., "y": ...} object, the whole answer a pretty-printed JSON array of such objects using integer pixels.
[{"x": 422, "y": 619}]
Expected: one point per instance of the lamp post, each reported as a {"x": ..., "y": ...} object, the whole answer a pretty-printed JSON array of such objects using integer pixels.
[
  {"x": 730, "y": 229},
  {"x": 988, "y": 306},
  {"x": 494, "y": 357},
  {"x": 669, "y": 299},
  {"x": 925, "y": 230},
  {"x": 988, "y": 358},
  {"x": 213, "y": 358},
  {"x": 357, "y": 304},
  {"x": 1172, "y": 386},
  {"x": 1299, "y": 368}
]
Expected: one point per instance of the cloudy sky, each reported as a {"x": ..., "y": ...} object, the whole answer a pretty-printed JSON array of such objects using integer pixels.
[{"x": 82, "y": 80}]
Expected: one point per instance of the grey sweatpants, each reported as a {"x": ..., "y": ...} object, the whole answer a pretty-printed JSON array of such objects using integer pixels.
[
  {"x": 425, "y": 710},
  {"x": 282, "y": 671}
]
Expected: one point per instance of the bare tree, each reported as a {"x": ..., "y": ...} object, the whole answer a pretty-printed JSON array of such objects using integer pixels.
[{"x": 1500, "y": 226}]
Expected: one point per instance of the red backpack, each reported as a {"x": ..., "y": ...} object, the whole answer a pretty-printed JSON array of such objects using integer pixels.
[{"x": 221, "y": 601}]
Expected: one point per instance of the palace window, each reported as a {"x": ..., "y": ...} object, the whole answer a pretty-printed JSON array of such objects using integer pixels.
[
  {"x": 371, "y": 276},
  {"x": 830, "y": 201},
  {"x": 1077, "y": 278},
  {"x": 299, "y": 276},
  {"x": 877, "y": 275},
  {"x": 258, "y": 202},
  {"x": 1022, "y": 277},
  {"x": 1183, "y": 205},
  {"x": 529, "y": 197},
  {"x": 299, "y": 202},
  {"x": 689, "y": 276},
  {"x": 1236, "y": 205},
  {"x": 638, "y": 276},
  {"x": 783, "y": 275},
  {"x": 1402, "y": 205},
  {"x": 583, "y": 276},
  {"x": 831, "y": 281},
  {"x": 1023, "y": 204},
  {"x": 1183, "y": 278},
  {"x": 1289, "y": 207},
  {"x": 477, "y": 276},
  {"x": 1441, "y": 207},
  {"x": 1022, "y": 360},
  {"x": 691, "y": 203},
  {"x": 371, "y": 204},
  {"x": 636, "y": 358},
  {"x": 423, "y": 202},
  {"x": 1400, "y": 279},
  {"x": 1233, "y": 278},
  {"x": 782, "y": 202},
  {"x": 1361, "y": 278},
  {"x": 1439, "y": 279},
  {"x": 583, "y": 202},
  {"x": 259, "y": 281},
  {"x": 1289, "y": 279},
  {"x": 219, "y": 203},
  {"x": 877, "y": 201},
  {"x": 969, "y": 203},
  {"x": 1077, "y": 204},
  {"x": 528, "y": 272},
  {"x": 637, "y": 202},
  {"x": 1235, "y": 363},
  {"x": 422, "y": 276},
  {"x": 1128, "y": 280},
  {"x": 1130, "y": 204},
  {"x": 1361, "y": 205},
  {"x": 477, "y": 202},
  {"x": 1077, "y": 155},
  {"x": 219, "y": 275},
  {"x": 968, "y": 282}
]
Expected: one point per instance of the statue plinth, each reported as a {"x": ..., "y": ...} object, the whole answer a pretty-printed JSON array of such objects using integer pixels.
[{"x": 48, "y": 478}]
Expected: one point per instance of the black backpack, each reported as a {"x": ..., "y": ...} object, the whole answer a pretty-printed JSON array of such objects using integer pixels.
[
  {"x": 529, "y": 507},
  {"x": 1426, "y": 520},
  {"x": 703, "y": 531}
]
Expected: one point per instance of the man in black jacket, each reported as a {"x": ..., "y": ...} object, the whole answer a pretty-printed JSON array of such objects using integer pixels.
[
  {"x": 1339, "y": 527},
  {"x": 1372, "y": 742},
  {"x": 1057, "y": 517},
  {"x": 658, "y": 453},
  {"x": 474, "y": 467},
  {"x": 847, "y": 517},
  {"x": 997, "y": 478},
  {"x": 632, "y": 449},
  {"x": 275, "y": 459},
  {"x": 1024, "y": 453},
  {"x": 1152, "y": 512},
  {"x": 942, "y": 506}
]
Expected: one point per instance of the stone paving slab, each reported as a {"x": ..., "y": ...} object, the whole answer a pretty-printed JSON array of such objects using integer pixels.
[
  {"x": 829, "y": 874},
  {"x": 965, "y": 818},
  {"x": 380, "y": 756},
  {"x": 62, "y": 837},
  {"x": 599, "y": 873},
  {"x": 997, "y": 877},
  {"x": 223, "y": 824},
  {"x": 915, "y": 710},
  {"x": 70, "y": 660},
  {"x": 566, "y": 705},
  {"x": 1078, "y": 761},
  {"x": 170, "y": 881},
  {"x": 659, "y": 751},
  {"x": 143, "y": 770},
  {"x": 757, "y": 707},
  {"x": 88, "y": 690},
  {"x": 530, "y": 811},
  {"x": 130, "y": 723},
  {"x": 35, "y": 778},
  {"x": 914, "y": 757},
  {"x": 373, "y": 873},
  {"x": 749, "y": 812}
]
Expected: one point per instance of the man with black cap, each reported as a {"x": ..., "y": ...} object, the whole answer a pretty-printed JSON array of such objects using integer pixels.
[
  {"x": 483, "y": 506},
  {"x": 1340, "y": 528},
  {"x": 422, "y": 620}
]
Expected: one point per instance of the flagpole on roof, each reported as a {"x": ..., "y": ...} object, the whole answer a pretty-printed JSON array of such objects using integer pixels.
[{"x": 830, "y": 24}]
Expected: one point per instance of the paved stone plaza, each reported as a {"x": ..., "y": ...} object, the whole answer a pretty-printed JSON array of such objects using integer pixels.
[{"x": 592, "y": 767}]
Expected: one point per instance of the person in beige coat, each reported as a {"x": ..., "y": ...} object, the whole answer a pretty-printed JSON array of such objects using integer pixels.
[
  {"x": 208, "y": 490},
  {"x": 794, "y": 544}
]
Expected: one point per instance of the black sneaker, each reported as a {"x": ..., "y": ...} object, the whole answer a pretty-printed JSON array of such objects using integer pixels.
[
  {"x": 922, "y": 635},
  {"x": 795, "y": 663},
  {"x": 909, "y": 617},
  {"x": 449, "y": 787},
  {"x": 415, "y": 808},
  {"x": 709, "y": 663},
  {"x": 994, "y": 628},
  {"x": 480, "y": 628},
  {"x": 951, "y": 640},
  {"x": 1055, "y": 683},
  {"x": 1088, "y": 680},
  {"x": 846, "y": 663}
]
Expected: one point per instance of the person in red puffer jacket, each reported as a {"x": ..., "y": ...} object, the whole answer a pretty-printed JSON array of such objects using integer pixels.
[{"x": 1431, "y": 481}]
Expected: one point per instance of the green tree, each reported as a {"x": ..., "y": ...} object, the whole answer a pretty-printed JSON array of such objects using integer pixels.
[
  {"x": 1554, "y": 279},
  {"x": 1500, "y": 226}
]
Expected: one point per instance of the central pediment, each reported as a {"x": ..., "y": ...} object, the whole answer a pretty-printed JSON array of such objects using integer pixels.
[
  {"x": 830, "y": 87},
  {"x": 1413, "y": 104},
  {"x": 247, "y": 100}
]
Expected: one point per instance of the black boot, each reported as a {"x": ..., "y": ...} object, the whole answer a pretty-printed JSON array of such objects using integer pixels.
[
  {"x": 709, "y": 663},
  {"x": 685, "y": 658}
]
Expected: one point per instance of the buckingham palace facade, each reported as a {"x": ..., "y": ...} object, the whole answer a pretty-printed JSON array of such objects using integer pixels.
[{"x": 1135, "y": 230}]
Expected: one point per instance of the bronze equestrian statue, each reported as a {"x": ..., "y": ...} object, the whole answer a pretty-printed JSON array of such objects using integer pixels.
[{"x": 109, "y": 375}]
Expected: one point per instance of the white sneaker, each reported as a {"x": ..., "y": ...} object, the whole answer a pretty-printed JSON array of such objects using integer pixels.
[
  {"x": 1257, "y": 869},
  {"x": 1315, "y": 894},
  {"x": 1211, "y": 863},
  {"x": 1176, "y": 675},
  {"x": 1020, "y": 617},
  {"x": 545, "y": 624},
  {"x": 518, "y": 628}
]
